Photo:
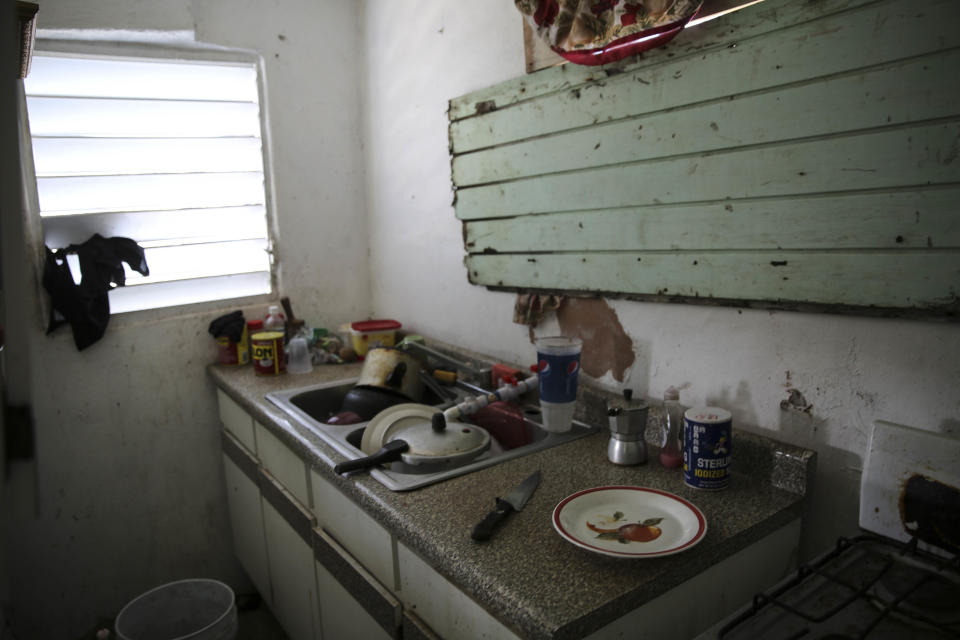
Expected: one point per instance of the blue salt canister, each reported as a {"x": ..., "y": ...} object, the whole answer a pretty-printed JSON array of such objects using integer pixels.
[{"x": 707, "y": 435}]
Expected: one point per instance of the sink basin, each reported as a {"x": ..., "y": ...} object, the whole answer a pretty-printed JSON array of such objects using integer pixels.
[{"x": 311, "y": 406}]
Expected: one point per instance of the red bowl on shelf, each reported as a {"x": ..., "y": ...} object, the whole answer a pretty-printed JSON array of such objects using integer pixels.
[
  {"x": 627, "y": 46},
  {"x": 604, "y": 31}
]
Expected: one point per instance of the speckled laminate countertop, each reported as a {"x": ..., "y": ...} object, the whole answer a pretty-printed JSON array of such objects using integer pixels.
[{"x": 528, "y": 577}]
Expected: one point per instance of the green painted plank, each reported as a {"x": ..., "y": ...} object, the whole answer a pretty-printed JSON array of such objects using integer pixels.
[
  {"x": 886, "y": 96},
  {"x": 904, "y": 157},
  {"x": 802, "y": 52},
  {"x": 909, "y": 219},
  {"x": 816, "y": 159},
  {"x": 878, "y": 278},
  {"x": 718, "y": 33}
]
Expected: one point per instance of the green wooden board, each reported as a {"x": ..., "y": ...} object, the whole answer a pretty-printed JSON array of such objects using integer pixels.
[
  {"x": 808, "y": 51},
  {"x": 842, "y": 278},
  {"x": 896, "y": 158},
  {"x": 889, "y": 220},
  {"x": 870, "y": 100},
  {"x": 787, "y": 154},
  {"x": 715, "y": 35}
]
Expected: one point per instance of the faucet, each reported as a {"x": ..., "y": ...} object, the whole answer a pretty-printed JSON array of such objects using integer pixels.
[{"x": 477, "y": 375}]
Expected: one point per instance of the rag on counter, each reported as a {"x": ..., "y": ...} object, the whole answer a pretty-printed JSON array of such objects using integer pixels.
[
  {"x": 86, "y": 306},
  {"x": 530, "y": 308}
]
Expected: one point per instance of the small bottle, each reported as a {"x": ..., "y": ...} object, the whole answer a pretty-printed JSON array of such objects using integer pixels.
[
  {"x": 672, "y": 429},
  {"x": 274, "y": 320}
]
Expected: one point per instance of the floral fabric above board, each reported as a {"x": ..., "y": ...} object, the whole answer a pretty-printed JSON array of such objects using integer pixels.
[{"x": 600, "y": 31}]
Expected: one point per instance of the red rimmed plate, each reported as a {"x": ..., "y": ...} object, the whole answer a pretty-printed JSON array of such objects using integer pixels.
[{"x": 629, "y": 522}]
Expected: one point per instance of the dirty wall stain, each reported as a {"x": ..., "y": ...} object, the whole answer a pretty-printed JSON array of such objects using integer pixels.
[{"x": 606, "y": 346}]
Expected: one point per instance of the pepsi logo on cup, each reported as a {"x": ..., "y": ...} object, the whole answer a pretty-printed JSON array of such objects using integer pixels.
[
  {"x": 544, "y": 367},
  {"x": 558, "y": 377}
]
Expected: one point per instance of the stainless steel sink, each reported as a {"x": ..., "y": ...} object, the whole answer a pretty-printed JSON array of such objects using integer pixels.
[{"x": 311, "y": 406}]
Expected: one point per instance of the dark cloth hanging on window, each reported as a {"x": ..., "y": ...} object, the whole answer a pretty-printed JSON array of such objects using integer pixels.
[
  {"x": 86, "y": 306},
  {"x": 230, "y": 325}
]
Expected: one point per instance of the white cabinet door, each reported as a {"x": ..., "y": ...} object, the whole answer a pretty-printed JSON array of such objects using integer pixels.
[
  {"x": 246, "y": 517},
  {"x": 358, "y": 533},
  {"x": 290, "y": 555},
  {"x": 283, "y": 464},
  {"x": 449, "y": 612},
  {"x": 236, "y": 421},
  {"x": 352, "y": 589},
  {"x": 341, "y": 616}
]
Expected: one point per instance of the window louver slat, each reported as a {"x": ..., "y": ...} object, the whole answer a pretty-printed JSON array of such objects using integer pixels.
[{"x": 167, "y": 152}]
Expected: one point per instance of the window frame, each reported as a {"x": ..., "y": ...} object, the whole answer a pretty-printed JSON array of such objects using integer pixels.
[{"x": 160, "y": 47}]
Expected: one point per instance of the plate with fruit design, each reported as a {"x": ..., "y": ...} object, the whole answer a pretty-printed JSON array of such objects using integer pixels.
[{"x": 629, "y": 522}]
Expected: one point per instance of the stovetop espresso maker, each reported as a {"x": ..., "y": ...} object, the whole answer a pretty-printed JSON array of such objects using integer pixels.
[{"x": 628, "y": 421}]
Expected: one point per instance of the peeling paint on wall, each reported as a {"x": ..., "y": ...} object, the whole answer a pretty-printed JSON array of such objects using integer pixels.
[
  {"x": 606, "y": 346},
  {"x": 796, "y": 402}
]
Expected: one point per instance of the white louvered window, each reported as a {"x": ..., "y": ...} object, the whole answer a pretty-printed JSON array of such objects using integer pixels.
[{"x": 165, "y": 151}]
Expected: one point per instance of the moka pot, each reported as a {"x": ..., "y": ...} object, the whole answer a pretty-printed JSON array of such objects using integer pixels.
[{"x": 628, "y": 421}]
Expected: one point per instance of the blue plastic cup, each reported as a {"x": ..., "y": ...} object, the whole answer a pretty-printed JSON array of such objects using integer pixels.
[{"x": 558, "y": 368}]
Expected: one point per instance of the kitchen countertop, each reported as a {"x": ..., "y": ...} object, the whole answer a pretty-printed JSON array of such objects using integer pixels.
[{"x": 527, "y": 576}]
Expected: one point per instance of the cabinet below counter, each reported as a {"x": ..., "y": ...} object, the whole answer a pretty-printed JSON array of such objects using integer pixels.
[{"x": 334, "y": 555}]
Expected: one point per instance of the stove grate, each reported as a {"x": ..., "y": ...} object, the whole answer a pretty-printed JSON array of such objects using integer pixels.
[{"x": 817, "y": 593}]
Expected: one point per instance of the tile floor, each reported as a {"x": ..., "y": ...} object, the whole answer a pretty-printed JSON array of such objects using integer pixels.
[{"x": 256, "y": 622}]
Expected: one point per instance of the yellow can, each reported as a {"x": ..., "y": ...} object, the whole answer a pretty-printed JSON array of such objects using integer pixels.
[{"x": 268, "y": 356}]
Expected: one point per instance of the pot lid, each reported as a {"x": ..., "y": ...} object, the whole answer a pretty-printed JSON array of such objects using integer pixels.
[
  {"x": 429, "y": 443},
  {"x": 384, "y": 423}
]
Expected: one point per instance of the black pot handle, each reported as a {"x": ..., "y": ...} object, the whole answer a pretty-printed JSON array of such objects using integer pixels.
[
  {"x": 391, "y": 452},
  {"x": 395, "y": 379}
]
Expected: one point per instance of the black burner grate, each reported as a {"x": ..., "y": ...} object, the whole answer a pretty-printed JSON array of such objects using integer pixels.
[{"x": 865, "y": 585}]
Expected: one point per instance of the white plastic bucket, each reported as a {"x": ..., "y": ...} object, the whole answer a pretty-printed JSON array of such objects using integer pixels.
[{"x": 196, "y": 609}]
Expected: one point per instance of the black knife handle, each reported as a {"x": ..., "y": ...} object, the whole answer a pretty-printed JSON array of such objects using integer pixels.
[
  {"x": 391, "y": 452},
  {"x": 484, "y": 530}
]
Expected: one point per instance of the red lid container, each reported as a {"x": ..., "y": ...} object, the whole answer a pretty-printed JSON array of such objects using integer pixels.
[{"x": 375, "y": 325}]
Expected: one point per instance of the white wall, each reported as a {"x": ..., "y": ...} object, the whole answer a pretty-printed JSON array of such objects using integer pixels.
[
  {"x": 313, "y": 64},
  {"x": 126, "y": 490},
  {"x": 853, "y": 370},
  {"x": 9, "y": 205}
]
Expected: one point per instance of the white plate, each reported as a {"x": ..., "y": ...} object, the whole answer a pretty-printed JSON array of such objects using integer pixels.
[
  {"x": 401, "y": 414},
  {"x": 594, "y": 519}
]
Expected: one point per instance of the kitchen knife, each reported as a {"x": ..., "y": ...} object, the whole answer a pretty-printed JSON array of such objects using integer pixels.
[{"x": 514, "y": 501}]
